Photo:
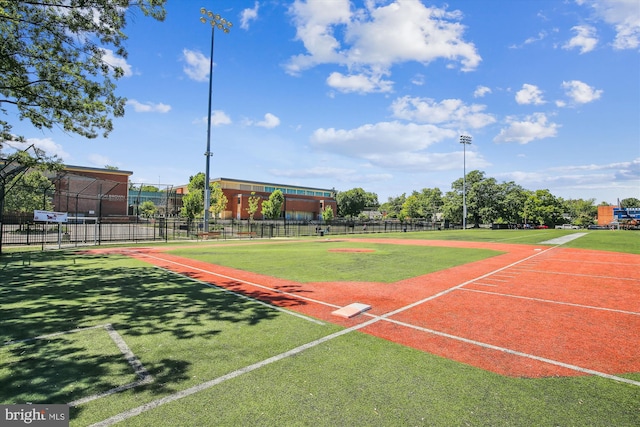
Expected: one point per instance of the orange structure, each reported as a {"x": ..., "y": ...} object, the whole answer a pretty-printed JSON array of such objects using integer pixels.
[{"x": 605, "y": 215}]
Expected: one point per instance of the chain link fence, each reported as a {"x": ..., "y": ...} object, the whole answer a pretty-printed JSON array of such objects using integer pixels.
[{"x": 89, "y": 231}]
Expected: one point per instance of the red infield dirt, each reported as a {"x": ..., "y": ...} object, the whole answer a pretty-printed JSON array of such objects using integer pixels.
[{"x": 534, "y": 311}]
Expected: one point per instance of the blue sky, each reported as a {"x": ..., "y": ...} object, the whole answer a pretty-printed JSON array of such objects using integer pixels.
[{"x": 375, "y": 94}]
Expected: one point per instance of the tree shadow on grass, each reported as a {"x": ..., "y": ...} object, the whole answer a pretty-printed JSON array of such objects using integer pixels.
[
  {"x": 38, "y": 299},
  {"x": 51, "y": 293},
  {"x": 60, "y": 370}
]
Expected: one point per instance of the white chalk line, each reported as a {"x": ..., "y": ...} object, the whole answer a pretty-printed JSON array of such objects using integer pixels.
[
  {"x": 591, "y": 307},
  {"x": 208, "y": 384},
  {"x": 531, "y": 270},
  {"x": 224, "y": 276},
  {"x": 519, "y": 353},
  {"x": 143, "y": 375},
  {"x": 239, "y": 295}
]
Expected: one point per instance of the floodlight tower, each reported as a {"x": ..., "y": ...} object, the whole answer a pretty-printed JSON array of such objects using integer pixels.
[
  {"x": 464, "y": 140},
  {"x": 220, "y": 23}
]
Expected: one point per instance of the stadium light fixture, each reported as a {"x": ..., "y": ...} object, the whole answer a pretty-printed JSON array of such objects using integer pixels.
[
  {"x": 464, "y": 140},
  {"x": 222, "y": 24}
]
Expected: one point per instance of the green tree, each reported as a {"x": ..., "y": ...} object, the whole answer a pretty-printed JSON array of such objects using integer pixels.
[
  {"x": 148, "y": 209},
  {"x": 511, "y": 199},
  {"x": 454, "y": 199},
  {"x": 327, "y": 214},
  {"x": 150, "y": 188},
  {"x": 411, "y": 208},
  {"x": 371, "y": 200},
  {"x": 542, "y": 207},
  {"x": 452, "y": 206},
  {"x": 218, "y": 202},
  {"x": 482, "y": 198},
  {"x": 392, "y": 207},
  {"x": 582, "y": 212},
  {"x": 352, "y": 202},
  {"x": 430, "y": 202},
  {"x": 54, "y": 69},
  {"x": 254, "y": 203},
  {"x": 28, "y": 193},
  {"x": 13, "y": 168},
  {"x": 272, "y": 208},
  {"x": 630, "y": 202},
  {"x": 193, "y": 201}
]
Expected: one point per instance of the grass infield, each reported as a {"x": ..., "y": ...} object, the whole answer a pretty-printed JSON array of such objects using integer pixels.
[
  {"x": 335, "y": 260},
  {"x": 187, "y": 335}
]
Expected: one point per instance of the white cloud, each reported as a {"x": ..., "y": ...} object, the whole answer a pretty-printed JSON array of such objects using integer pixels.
[
  {"x": 448, "y": 112},
  {"x": 624, "y": 16},
  {"x": 359, "y": 83},
  {"x": 270, "y": 121},
  {"x": 375, "y": 38},
  {"x": 481, "y": 91},
  {"x": 540, "y": 36},
  {"x": 531, "y": 128},
  {"x": 114, "y": 61},
  {"x": 429, "y": 162},
  {"x": 628, "y": 171},
  {"x": 391, "y": 145},
  {"x": 218, "y": 118},
  {"x": 630, "y": 168},
  {"x": 529, "y": 94},
  {"x": 48, "y": 145},
  {"x": 581, "y": 93},
  {"x": 248, "y": 15},
  {"x": 418, "y": 80},
  {"x": 314, "y": 172},
  {"x": 344, "y": 175},
  {"x": 383, "y": 137},
  {"x": 531, "y": 40},
  {"x": 197, "y": 65},
  {"x": 609, "y": 181},
  {"x": 584, "y": 39},
  {"x": 314, "y": 27},
  {"x": 149, "y": 107},
  {"x": 99, "y": 160}
]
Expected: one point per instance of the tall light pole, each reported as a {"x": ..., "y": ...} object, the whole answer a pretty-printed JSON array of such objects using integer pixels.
[
  {"x": 464, "y": 140},
  {"x": 220, "y": 23}
]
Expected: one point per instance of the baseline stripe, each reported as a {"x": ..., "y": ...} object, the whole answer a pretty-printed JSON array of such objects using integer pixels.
[
  {"x": 633, "y": 313},
  {"x": 235, "y": 279},
  {"x": 257, "y": 301},
  {"x": 530, "y": 270}
]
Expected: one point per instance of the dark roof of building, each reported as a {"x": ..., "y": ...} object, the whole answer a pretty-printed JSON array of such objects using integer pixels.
[{"x": 272, "y": 184}]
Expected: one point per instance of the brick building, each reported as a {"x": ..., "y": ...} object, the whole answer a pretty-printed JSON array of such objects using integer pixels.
[
  {"x": 300, "y": 203},
  {"x": 91, "y": 192}
]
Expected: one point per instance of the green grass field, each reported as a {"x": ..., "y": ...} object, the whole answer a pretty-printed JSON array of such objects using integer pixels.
[
  {"x": 189, "y": 336},
  {"x": 314, "y": 261}
]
